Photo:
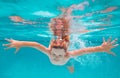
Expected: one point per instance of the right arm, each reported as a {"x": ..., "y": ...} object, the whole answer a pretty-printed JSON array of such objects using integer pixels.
[
  {"x": 18, "y": 44},
  {"x": 106, "y": 46}
]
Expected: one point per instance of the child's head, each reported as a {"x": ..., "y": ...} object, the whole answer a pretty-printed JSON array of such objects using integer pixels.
[{"x": 58, "y": 50}]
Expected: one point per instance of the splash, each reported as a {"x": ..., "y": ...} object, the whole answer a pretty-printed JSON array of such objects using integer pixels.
[
  {"x": 86, "y": 60},
  {"x": 89, "y": 60},
  {"x": 76, "y": 42},
  {"x": 78, "y": 26}
]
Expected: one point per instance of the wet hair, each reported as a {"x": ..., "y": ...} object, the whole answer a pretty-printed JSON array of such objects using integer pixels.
[
  {"x": 64, "y": 36},
  {"x": 59, "y": 47},
  {"x": 65, "y": 28},
  {"x": 54, "y": 42}
]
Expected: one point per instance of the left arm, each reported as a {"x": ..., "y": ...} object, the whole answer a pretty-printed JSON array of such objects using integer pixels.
[
  {"x": 86, "y": 50},
  {"x": 105, "y": 47}
]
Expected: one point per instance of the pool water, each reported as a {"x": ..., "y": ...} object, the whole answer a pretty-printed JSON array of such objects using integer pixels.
[{"x": 98, "y": 19}]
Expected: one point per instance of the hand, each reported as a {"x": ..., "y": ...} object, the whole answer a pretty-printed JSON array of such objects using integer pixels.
[
  {"x": 13, "y": 44},
  {"x": 108, "y": 45}
]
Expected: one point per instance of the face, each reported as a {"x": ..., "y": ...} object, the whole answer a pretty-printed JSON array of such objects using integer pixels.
[{"x": 57, "y": 54}]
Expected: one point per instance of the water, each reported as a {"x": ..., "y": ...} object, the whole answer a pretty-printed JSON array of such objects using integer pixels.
[{"x": 98, "y": 18}]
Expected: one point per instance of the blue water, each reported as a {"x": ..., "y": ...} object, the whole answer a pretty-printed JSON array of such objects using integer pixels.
[{"x": 31, "y": 63}]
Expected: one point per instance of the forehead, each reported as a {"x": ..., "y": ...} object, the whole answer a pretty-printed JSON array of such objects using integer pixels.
[{"x": 58, "y": 51}]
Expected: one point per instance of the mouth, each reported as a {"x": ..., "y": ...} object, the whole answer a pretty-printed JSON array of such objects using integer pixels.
[{"x": 56, "y": 59}]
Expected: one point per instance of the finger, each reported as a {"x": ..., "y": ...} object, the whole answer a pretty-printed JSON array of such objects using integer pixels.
[
  {"x": 114, "y": 41},
  {"x": 7, "y": 48},
  {"x": 112, "y": 53},
  {"x": 109, "y": 39},
  {"x": 103, "y": 39},
  {"x": 6, "y": 45},
  {"x": 115, "y": 45},
  {"x": 9, "y": 40},
  {"x": 16, "y": 50},
  {"x": 12, "y": 39}
]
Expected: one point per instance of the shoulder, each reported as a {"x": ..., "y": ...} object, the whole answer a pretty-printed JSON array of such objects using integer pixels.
[
  {"x": 68, "y": 55},
  {"x": 48, "y": 51}
]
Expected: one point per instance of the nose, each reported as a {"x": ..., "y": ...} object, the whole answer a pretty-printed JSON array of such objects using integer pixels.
[{"x": 57, "y": 57}]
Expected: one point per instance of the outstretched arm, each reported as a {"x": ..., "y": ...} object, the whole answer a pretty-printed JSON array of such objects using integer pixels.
[
  {"x": 18, "y": 44},
  {"x": 105, "y": 47}
]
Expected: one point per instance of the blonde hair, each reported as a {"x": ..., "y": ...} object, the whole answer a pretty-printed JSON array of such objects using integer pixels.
[{"x": 65, "y": 33}]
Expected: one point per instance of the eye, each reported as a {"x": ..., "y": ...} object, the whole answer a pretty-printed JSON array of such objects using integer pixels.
[
  {"x": 53, "y": 54},
  {"x": 60, "y": 55}
]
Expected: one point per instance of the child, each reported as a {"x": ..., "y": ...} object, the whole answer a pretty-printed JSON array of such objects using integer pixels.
[{"x": 58, "y": 49}]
